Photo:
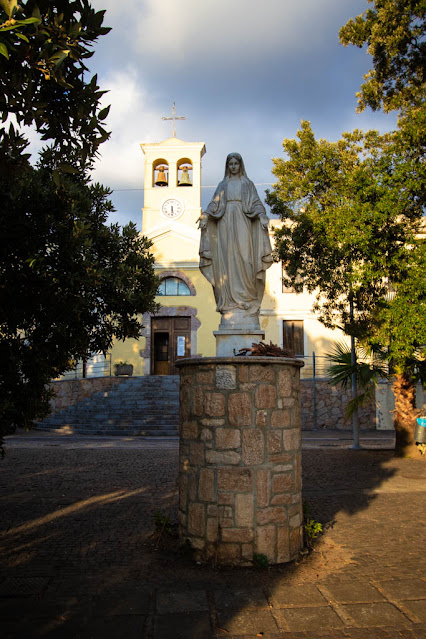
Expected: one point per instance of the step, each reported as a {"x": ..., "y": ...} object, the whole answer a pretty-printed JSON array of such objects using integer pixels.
[
  {"x": 139, "y": 405},
  {"x": 170, "y": 433},
  {"x": 151, "y": 423}
]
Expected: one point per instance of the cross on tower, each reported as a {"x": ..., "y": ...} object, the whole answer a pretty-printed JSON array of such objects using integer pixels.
[{"x": 174, "y": 118}]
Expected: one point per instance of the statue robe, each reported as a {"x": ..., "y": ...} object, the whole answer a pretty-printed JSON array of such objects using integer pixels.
[{"x": 235, "y": 249}]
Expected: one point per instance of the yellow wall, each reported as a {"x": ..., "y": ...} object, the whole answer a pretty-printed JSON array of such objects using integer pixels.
[
  {"x": 129, "y": 352},
  {"x": 209, "y": 319},
  {"x": 276, "y": 307}
]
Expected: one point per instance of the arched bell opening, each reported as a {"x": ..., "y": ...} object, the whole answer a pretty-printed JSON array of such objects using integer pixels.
[
  {"x": 160, "y": 173},
  {"x": 184, "y": 172}
]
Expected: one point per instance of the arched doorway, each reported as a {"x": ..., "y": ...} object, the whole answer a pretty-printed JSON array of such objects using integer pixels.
[{"x": 170, "y": 342}]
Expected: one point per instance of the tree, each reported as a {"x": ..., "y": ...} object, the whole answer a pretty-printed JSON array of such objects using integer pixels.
[
  {"x": 353, "y": 209},
  {"x": 345, "y": 230},
  {"x": 42, "y": 72},
  {"x": 69, "y": 283},
  {"x": 370, "y": 367},
  {"x": 394, "y": 32},
  {"x": 402, "y": 327},
  {"x": 352, "y": 212}
]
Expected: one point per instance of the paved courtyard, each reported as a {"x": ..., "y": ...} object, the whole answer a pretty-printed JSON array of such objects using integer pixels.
[{"x": 77, "y": 558}]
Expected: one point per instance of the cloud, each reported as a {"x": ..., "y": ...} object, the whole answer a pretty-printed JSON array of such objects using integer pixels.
[
  {"x": 131, "y": 120},
  {"x": 218, "y": 31},
  {"x": 243, "y": 72},
  {"x": 220, "y": 59}
]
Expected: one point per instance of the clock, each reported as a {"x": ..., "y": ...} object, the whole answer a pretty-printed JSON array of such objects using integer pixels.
[{"x": 172, "y": 208}]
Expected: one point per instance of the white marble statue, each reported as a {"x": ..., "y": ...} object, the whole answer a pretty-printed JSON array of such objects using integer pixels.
[{"x": 235, "y": 249}]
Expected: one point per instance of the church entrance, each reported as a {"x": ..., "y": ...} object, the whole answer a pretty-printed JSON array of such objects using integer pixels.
[{"x": 171, "y": 341}]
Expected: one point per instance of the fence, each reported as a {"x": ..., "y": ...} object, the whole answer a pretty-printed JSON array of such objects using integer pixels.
[
  {"x": 100, "y": 366},
  {"x": 323, "y": 406},
  {"x": 315, "y": 367},
  {"x": 97, "y": 366}
]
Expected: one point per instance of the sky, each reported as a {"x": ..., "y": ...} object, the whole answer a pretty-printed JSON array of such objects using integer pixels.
[{"x": 243, "y": 72}]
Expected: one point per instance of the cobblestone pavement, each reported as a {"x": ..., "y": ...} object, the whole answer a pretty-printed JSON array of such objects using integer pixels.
[{"x": 77, "y": 558}]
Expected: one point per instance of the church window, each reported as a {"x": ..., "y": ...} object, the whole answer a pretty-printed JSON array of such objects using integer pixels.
[
  {"x": 293, "y": 337},
  {"x": 173, "y": 286}
]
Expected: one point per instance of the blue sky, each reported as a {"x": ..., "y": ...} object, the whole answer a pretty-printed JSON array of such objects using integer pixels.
[{"x": 244, "y": 73}]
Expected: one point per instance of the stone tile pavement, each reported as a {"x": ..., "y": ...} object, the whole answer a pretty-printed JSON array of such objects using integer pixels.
[{"x": 77, "y": 558}]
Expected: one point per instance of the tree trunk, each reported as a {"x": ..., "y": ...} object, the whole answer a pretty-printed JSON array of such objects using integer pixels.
[{"x": 405, "y": 417}]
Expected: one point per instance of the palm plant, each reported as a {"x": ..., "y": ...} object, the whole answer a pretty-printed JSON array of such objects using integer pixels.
[
  {"x": 372, "y": 364},
  {"x": 370, "y": 367}
]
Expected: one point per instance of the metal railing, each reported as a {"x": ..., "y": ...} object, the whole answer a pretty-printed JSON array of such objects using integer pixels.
[
  {"x": 316, "y": 366},
  {"x": 97, "y": 366}
]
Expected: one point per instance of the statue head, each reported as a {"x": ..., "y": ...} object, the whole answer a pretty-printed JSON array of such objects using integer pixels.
[{"x": 235, "y": 156}]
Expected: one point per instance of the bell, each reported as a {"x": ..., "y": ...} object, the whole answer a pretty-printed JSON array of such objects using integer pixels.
[
  {"x": 185, "y": 180},
  {"x": 161, "y": 177}
]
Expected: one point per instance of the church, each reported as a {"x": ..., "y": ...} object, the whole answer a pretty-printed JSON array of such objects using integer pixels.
[
  {"x": 187, "y": 318},
  {"x": 185, "y": 323}
]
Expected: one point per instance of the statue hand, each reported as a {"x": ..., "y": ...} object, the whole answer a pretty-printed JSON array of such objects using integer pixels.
[
  {"x": 203, "y": 221},
  {"x": 264, "y": 222}
]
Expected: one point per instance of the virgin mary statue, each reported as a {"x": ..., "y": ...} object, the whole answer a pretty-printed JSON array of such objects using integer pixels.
[{"x": 235, "y": 249}]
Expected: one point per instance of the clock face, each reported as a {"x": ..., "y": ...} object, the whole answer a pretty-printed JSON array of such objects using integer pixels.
[{"x": 172, "y": 208}]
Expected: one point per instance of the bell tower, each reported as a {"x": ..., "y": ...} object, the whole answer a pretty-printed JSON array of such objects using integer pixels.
[
  {"x": 172, "y": 206},
  {"x": 172, "y": 193}
]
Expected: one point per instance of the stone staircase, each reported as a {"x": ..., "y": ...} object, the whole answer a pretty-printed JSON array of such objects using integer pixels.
[{"x": 146, "y": 406}]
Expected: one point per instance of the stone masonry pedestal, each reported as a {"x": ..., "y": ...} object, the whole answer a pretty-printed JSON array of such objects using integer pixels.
[{"x": 240, "y": 459}]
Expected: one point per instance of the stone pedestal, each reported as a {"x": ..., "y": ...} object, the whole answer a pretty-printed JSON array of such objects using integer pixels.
[
  {"x": 237, "y": 330},
  {"x": 230, "y": 341},
  {"x": 240, "y": 459}
]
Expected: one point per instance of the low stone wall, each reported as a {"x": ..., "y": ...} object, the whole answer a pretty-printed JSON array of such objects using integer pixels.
[
  {"x": 240, "y": 459},
  {"x": 71, "y": 392},
  {"x": 331, "y": 403}
]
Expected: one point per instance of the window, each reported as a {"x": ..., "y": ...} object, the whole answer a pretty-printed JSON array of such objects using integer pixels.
[
  {"x": 173, "y": 286},
  {"x": 293, "y": 337}
]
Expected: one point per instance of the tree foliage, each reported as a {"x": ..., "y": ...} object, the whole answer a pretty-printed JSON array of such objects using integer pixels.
[
  {"x": 394, "y": 32},
  {"x": 402, "y": 322},
  {"x": 353, "y": 214},
  {"x": 42, "y": 72},
  {"x": 402, "y": 327},
  {"x": 69, "y": 283},
  {"x": 346, "y": 221},
  {"x": 353, "y": 209}
]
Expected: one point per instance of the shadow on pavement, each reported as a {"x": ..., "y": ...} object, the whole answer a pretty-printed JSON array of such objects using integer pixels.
[{"x": 77, "y": 560}]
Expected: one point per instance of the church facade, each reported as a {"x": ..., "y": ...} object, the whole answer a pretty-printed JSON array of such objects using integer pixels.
[{"x": 185, "y": 323}]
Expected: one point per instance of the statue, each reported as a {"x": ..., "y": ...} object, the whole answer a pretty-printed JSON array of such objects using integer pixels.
[{"x": 235, "y": 249}]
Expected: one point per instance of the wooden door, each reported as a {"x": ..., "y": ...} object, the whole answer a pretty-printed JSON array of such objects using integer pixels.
[{"x": 171, "y": 341}]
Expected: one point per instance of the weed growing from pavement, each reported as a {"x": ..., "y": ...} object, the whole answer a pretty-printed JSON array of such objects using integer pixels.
[
  {"x": 312, "y": 529},
  {"x": 260, "y": 560},
  {"x": 165, "y": 532},
  {"x": 162, "y": 522}
]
